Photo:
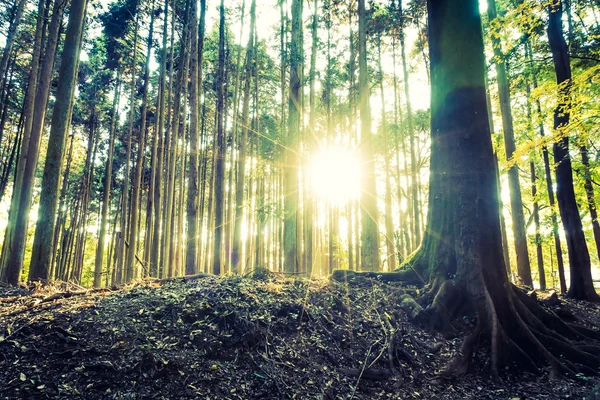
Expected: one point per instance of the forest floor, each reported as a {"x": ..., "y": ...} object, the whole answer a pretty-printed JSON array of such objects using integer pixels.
[{"x": 260, "y": 337}]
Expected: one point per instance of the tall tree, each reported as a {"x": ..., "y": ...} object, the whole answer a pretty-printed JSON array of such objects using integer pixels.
[
  {"x": 461, "y": 254},
  {"x": 582, "y": 286},
  {"x": 516, "y": 202},
  {"x": 290, "y": 224},
  {"x": 107, "y": 187},
  {"x": 44, "y": 233},
  {"x": 219, "y": 174},
  {"x": 191, "y": 263},
  {"x": 19, "y": 9},
  {"x": 236, "y": 255},
  {"x": 15, "y": 244},
  {"x": 369, "y": 251}
]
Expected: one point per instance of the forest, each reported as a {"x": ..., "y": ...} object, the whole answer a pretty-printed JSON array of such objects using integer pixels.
[{"x": 299, "y": 199}]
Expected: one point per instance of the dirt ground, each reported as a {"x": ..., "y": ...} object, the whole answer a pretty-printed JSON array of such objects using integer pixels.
[{"x": 261, "y": 337}]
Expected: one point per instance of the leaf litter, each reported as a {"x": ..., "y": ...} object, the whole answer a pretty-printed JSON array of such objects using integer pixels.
[{"x": 254, "y": 337}]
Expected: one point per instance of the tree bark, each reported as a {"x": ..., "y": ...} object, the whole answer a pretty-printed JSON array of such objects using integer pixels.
[
  {"x": 516, "y": 202},
  {"x": 106, "y": 188},
  {"x": 18, "y": 241},
  {"x": 220, "y": 149},
  {"x": 582, "y": 287},
  {"x": 44, "y": 232},
  {"x": 237, "y": 262},
  {"x": 290, "y": 225},
  {"x": 369, "y": 252}
]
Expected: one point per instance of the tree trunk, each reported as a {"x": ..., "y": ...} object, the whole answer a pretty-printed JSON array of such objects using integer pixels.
[
  {"x": 590, "y": 196},
  {"x": 191, "y": 264},
  {"x": 461, "y": 253},
  {"x": 236, "y": 255},
  {"x": 516, "y": 202},
  {"x": 369, "y": 252},
  {"x": 61, "y": 116},
  {"x": 220, "y": 149},
  {"x": 19, "y": 8},
  {"x": 106, "y": 188},
  {"x": 549, "y": 185},
  {"x": 290, "y": 226},
  {"x": 130, "y": 269},
  {"x": 582, "y": 287},
  {"x": 411, "y": 133}
]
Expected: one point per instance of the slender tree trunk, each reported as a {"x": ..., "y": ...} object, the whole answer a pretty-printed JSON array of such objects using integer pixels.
[
  {"x": 549, "y": 185},
  {"x": 237, "y": 263},
  {"x": 220, "y": 148},
  {"x": 107, "y": 187},
  {"x": 44, "y": 233},
  {"x": 28, "y": 160},
  {"x": 516, "y": 202},
  {"x": 389, "y": 227},
  {"x": 369, "y": 259},
  {"x": 191, "y": 264},
  {"x": 290, "y": 241},
  {"x": 130, "y": 269},
  {"x": 411, "y": 133},
  {"x": 310, "y": 138},
  {"x": 28, "y": 111},
  {"x": 582, "y": 287},
  {"x": 590, "y": 196},
  {"x": 19, "y": 8}
]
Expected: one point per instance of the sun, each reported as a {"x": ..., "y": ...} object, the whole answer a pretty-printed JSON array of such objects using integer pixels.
[{"x": 335, "y": 175}]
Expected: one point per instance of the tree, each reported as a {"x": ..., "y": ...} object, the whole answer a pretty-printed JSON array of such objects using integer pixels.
[
  {"x": 219, "y": 173},
  {"x": 107, "y": 187},
  {"x": 369, "y": 252},
  {"x": 516, "y": 202},
  {"x": 17, "y": 232},
  {"x": 130, "y": 270},
  {"x": 191, "y": 263},
  {"x": 461, "y": 254},
  {"x": 61, "y": 116},
  {"x": 290, "y": 224},
  {"x": 241, "y": 161},
  {"x": 582, "y": 286}
]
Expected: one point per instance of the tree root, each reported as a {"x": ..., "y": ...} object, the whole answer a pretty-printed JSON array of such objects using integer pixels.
[{"x": 524, "y": 334}]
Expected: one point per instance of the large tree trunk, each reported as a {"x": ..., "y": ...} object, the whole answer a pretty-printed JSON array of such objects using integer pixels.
[
  {"x": 61, "y": 116},
  {"x": 461, "y": 254},
  {"x": 582, "y": 286},
  {"x": 516, "y": 202},
  {"x": 369, "y": 252}
]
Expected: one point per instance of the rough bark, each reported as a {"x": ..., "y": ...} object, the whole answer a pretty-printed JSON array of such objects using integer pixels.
[{"x": 461, "y": 255}]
